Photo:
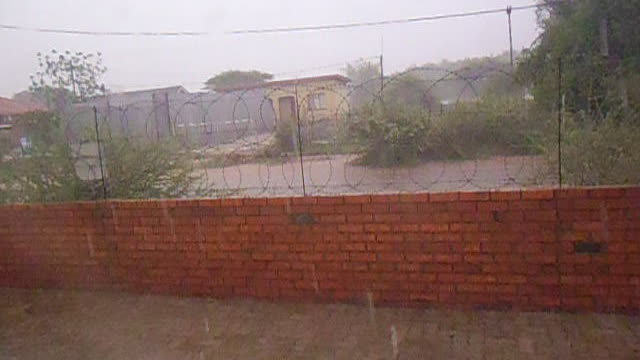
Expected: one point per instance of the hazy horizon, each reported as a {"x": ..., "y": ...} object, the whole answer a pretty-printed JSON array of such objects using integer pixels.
[{"x": 145, "y": 62}]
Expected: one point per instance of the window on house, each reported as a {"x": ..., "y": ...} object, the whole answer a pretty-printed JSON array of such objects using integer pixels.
[{"x": 316, "y": 101}]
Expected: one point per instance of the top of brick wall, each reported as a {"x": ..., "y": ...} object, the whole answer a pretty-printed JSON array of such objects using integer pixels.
[{"x": 534, "y": 194}]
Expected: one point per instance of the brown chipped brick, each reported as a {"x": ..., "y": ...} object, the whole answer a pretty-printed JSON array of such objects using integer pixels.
[
  {"x": 609, "y": 193},
  {"x": 357, "y": 199},
  {"x": 474, "y": 196},
  {"x": 544, "y": 194},
  {"x": 444, "y": 197},
  {"x": 336, "y": 200}
]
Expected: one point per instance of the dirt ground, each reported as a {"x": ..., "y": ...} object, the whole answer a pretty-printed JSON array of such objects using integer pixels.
[
  {"x": 338, "y": 174},
  {"x": 52, "y": 324}
]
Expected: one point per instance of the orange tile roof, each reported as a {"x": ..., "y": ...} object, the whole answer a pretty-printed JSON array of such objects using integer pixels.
[{"x": 12, "y": 107}]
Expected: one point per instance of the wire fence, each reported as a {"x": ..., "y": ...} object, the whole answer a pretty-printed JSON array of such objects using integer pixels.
[
  {"x": 428, "y": 129},
  {"x": 324, "y": 135}
]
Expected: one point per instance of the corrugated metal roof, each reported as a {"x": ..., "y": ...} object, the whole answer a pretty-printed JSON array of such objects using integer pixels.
[{"x": 299, "y": 81}]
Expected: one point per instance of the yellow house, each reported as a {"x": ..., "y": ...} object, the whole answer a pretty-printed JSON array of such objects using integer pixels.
[
  {"x": 311, "y": 99},
  {"x": 314, "y": 99}
]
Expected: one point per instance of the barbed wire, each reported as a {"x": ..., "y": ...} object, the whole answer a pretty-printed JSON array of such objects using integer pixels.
[{"x": 237, "y": 137}]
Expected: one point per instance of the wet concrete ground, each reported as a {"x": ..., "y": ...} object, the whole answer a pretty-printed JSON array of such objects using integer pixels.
[
  {"x": 339, "y": 174},
  {"x": 55, "y": 324}
]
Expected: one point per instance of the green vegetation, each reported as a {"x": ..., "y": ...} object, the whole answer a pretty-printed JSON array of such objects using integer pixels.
[
  {"x": 597, "y": 152},
  {"x": 391, "y": 134},
  {"x": 396, "y": 134},
  {"x": 68, "y": 76},
  {"x": 598, "y": 43},
  {"x": 235, "y": 78},
  {"x": 50, "y": 171}
]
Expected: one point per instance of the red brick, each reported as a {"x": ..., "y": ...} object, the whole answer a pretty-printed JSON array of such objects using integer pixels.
[
  {"x": 360, "y": 218},
  {"x": 330, "y": 200},
  {"x": 332, "y": 219},
  {"x": 474, "y": 196},
  {"x": 444, "y": 197},
  {"x": 451, "y": 278},
  {"x": 447, "y": 258},
  {"x": 524, "y": 205},
  {"x": 357, "y": 199},
  {"x": 471, "y": 288},
  {"x": 419, "y": 258},
  {"x": 390, "y": 257},
  {"x": 362, "y": 257},
  {"x": 478, "y": 259},
  {"x": 572, "y": 194},
  {"x": 511, "y": 279},
  {"x": 505, "y": 195},
  {"x": 434, "y": 228},
  {"x": 351, "y": 228},
  {"x": 606, "y": 193},
  {"x": 272, "y": 210},
  {"x": 587, "y": 204},
  {"x": 409, "y": 208},
  {"x": 231, "y": 202},
  {"x": 414, "y": 198},
  {"x": 406, "y": 228},
  {"x": 537, "y": 194},
  {"x": 304, "y": 201},
  {"x": 377, "y": 228},
  {"x": 388, "y": 218},
  {"x": 493, "y": 206},
  {"x": 375, "y": 208},
  {"x": 383, "y": 199}
]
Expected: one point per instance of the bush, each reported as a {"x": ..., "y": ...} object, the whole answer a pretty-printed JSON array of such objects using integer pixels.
[
  {"x": 605, "y": 152},
  {"x": 133, "y": 170},
  {"x": 501, "y": 126},
  {"x": 391, "y": 134},
  {"x": 144, "y": 170},
  {"x": 398, "y": 134},
  {"x": 47, "y": 172}
]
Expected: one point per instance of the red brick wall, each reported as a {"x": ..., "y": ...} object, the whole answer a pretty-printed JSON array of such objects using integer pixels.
[{"x": 496, "y": 250}]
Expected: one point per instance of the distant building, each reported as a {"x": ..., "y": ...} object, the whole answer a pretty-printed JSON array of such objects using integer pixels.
[
  {"x": 10, "y": 109},
  {"x": 11, "y": 127},
  {"x": 317, "y": 97},
  {"x": 318, "y": 102},
  {"x": 200, "y": 119}
]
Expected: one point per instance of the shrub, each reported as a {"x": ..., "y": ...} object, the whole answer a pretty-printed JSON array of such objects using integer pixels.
[
  {"x": 143, "y": 170},
  {"x": 500, "y": 126},
  {"x": 391, "y": 134},
  {"x": 133, "y": 170},
  {"x": 605, "y": 152},
  {"x": 399, "y": 134}
]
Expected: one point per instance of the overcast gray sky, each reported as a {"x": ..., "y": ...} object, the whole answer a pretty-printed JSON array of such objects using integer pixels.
[{"x": 137, "y": 62}]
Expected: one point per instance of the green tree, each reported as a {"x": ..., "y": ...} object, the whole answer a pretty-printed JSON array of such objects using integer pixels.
[
  {"x": 74, "y": 76},
  {"x": 598, "y": 43},
  {"x": 47, "y": 172},
  {"x": 365, "y": 78},
  {"x": 391, "y": 134},
  {"x": 235, "y": 78},
  {"x": 409, "y": 89}
]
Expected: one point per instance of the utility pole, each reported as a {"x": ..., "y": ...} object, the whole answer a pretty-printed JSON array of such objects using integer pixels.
[
  {"x": 297, "y": 115},
  {"x": 509, "y": 10},
  {"x": 104, "y": 184},
  {"x": 560, "y": 110},
  {"x": 381, "y": 76},
  {"x": 73, "y": 81},
  {"x": 382, "y": 68}
]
